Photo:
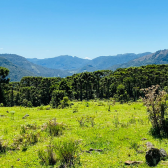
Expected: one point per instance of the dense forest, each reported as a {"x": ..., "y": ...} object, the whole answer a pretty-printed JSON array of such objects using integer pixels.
[{"x": 123, "y": 85}]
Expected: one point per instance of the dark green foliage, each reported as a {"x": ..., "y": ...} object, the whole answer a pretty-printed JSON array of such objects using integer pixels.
[
  {"x": 3, "y": 80},
  {"x": 121, "y": 95},
  {"x": 65, "y": 102},
  {"x": 57, "y": 96},
  {"x": 122, "y": 84}
]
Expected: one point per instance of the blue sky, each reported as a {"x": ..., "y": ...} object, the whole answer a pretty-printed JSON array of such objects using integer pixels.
[{"x": 82, "y": 28}]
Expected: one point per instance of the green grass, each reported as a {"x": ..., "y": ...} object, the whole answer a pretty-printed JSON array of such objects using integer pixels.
[{"x": 117, "y": 132}]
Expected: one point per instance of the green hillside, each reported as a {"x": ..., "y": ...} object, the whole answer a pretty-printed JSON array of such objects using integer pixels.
[
  {"x": 15, "y": 72},
  {"x": 31, "y": 69}
]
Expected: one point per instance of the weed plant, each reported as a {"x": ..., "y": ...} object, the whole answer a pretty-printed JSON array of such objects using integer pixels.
[
  {"x": 68, "y": 152},
  {"x": 86, "y": 121},
  {"x": 54, "y": 128},
  {"x": 47, "y": 156}
]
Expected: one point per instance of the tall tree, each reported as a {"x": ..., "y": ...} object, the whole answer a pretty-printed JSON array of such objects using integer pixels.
[{"x": 3, "y": 80}]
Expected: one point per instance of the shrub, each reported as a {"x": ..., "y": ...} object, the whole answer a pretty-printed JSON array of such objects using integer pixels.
[
  {"x": 121, "y": 95},
  {"x": 86, "y": 121},
  {"x": 155, "y": 101},
  {"x": 24, "y": 102},
  {"x": 25, "y": 138},
  {"x": 54, "y": 128},
  {"x": 64, "y": 152},
  {"x": 57, "y": 96},
  {"x": 3, "y": 147},
  {"x": 41, "y": 107},
  {"x": 29, "y": 104},
  {"x": 48, "y": 156},
  {"x": 65, "y": 102},
  {"x": 68, "y": 152}
]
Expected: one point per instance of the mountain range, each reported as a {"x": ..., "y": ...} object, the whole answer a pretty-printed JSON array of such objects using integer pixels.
[
  {"x": 159, "y": 57},
  {"x": 66, "y": 65},
  {"x": 78, "y": 65},
  {"x": 19, "y": 67}
]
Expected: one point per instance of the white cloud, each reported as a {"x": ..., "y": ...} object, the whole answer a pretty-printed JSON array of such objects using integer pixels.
[
  {"x": 88, "y": 58},
  {"x": 1, "y": 48}
]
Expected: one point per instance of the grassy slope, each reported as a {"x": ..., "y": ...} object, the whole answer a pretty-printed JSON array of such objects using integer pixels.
[{"x": 116, "y": 132}]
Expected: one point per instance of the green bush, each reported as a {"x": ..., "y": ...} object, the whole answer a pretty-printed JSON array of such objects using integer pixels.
[
  {"x": 29, "y": 104},
  {"x": 121, "y": 95},
  {"x": 26, "y": 137},
  {"x": 54, "y": 128},
  {"x": 48, "y": 156},
  {"x": 57, "y": 96},
  {"x": 68, "y": 152},
  {"x": 65, "y": 102}
]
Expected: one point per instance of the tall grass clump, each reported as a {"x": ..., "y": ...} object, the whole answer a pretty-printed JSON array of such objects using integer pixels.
[
  {"x": 86, "y": 121},
  {"x": 64, "y": 153},
  {"x": 3, "y": 147},
  {"x": 47, "y": 156},
  {"x": 54, "y": 128},
  {"x": 155, "y": 101},
  {"x": 28, "y": 136},
  {"x": 68, "y": 152}
]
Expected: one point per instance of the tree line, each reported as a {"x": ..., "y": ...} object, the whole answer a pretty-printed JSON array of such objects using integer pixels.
[{"x": 123, "y": 85}]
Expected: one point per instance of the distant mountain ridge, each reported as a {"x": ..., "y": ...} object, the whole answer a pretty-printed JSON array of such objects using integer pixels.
[
  {"x": 159, "y": 57},
  {"x": 30, "y": 68},
  {"x": 64, "y": 62},
  {"x": 78, "y": 65}
]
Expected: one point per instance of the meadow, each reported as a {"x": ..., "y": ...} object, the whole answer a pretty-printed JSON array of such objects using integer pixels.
[{"x": 106, "y": 134}]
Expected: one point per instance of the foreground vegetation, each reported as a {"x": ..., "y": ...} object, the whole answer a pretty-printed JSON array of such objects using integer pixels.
[{"x": 96, "y": 134}]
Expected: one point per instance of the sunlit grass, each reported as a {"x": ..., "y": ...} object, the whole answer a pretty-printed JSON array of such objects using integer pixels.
[{"x": 117, "y": 133}]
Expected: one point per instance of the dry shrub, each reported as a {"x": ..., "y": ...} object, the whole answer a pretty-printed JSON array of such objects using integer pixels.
[{"x": 155, "y": 101}]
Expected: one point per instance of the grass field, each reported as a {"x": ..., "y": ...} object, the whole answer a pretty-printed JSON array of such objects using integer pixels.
[{"x": 112, "y": 131}]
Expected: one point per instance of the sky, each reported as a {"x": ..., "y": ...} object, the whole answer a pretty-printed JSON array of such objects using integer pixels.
[{"x": 82, "y": 28}]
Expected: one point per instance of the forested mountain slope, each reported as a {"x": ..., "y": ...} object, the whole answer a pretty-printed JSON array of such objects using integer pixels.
[
  {"x": 159, "y": 57},
  {"x": 104, "y": 62},
  {"x": 15, "y": 72},
  {"x": 35, "y": 70}
]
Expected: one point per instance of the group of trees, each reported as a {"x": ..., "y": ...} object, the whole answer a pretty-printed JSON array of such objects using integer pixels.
[{"x": 122, "y": 84}]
